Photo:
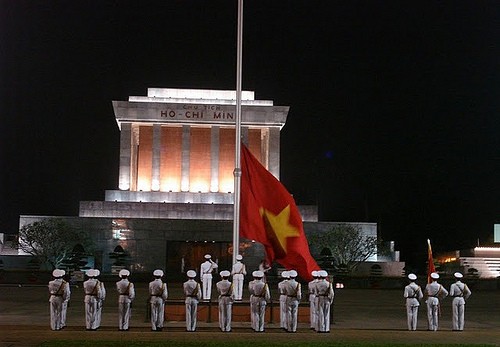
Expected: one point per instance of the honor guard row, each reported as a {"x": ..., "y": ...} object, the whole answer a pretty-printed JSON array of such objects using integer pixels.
[
  {"x": 320, "y": 297},
  {"x": 434, "y": 293}
]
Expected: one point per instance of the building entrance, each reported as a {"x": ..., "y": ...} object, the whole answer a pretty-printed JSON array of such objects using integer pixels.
[{"x": 184, "y": 256}]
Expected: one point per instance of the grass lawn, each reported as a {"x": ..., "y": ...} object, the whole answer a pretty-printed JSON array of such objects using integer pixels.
[{"x": 173, "y": 343}]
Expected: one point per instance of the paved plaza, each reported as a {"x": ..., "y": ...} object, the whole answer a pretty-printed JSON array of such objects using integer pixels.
[{"x": 362, "y": 315}]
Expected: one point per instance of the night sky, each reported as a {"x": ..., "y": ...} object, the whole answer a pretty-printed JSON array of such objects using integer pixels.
[{"x": 394, "y": 105}]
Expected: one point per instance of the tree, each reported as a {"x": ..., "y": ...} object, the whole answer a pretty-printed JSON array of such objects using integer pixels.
[
  {"x": 51, "y": 240},
  {"x": 120, "y": 257},
  {"x": 346, "y": 244}
]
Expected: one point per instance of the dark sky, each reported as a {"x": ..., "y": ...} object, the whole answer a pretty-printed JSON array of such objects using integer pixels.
[{"x": 394, "y": 106}]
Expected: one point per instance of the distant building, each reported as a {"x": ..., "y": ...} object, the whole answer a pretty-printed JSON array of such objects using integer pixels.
[
  {"x": 484, "y": 260},
  {"x": 174, "y": 201},
  {"x": 480, "y": 261}
]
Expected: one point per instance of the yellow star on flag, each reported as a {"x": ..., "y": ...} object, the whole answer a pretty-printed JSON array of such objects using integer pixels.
[{"x": 280, "y": 225}]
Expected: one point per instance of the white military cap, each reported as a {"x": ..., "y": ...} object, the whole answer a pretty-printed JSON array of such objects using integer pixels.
[
  {"x": 435, "y": 275},
  {"x": 124, "y": 272},
  {"x": 258, "y": 274},
  {"x": 191, "y": 274},
  {"x": 285, "y": 274},
  {"x": 292, "y": 273},
  {"x": 458, "y": 275},
  {"x": 158, "y": 272},
  {"x": 96, "y": 272},
  {"x": 208, "y": 256},
  {"x": 412, "y": 277},
  {"x": 314, "y": 273},
  {"x": 322, "y": 273},
  {"x": 225, "y": 273},
  {"x": 58, "y": 273},
  {"x": 239, "y": 257}
]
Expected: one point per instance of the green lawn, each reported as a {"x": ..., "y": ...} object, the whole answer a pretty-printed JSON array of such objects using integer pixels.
[{"x": 230, "y": 344}]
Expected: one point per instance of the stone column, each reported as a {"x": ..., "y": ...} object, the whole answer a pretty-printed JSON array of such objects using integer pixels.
[
  {"x": 125, "y": 156},
  {"x": 186, "y": 149},
  {"x": 134, "y": 148},
  {"x": 155, "y": 172},
  {"x": 244, "y": 135},
  {"x": 214, "y": 159},
  {"x": 274, "y": 151}
]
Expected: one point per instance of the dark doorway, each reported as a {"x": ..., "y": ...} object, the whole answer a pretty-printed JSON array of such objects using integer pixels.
[{"x": 184, "y": 256}]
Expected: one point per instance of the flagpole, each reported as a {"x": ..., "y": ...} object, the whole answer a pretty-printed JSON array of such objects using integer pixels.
[{"x": 237, "y": 166}]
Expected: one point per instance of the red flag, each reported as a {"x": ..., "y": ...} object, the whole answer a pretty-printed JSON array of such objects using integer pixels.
[
  {"x": 268, "y": 215},
  {"x": 430, "y": 262}
]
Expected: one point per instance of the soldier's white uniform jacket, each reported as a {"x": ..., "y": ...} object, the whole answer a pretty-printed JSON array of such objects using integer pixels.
[
  {"x": 460, "y": 292},
  {"x": 293, "y": 289},
  {"x": 239, "y": 269},
  {"x": 207, "y": 267},
  {"x": 435, "y": 292},
  {"x": 281, "y": 288},
  {"x": 59, "y": 288},
  {"x": 126, "y": 291},
  {"x": 191, "y": 289},
  {"x": 324, "y": 289},
  {"x": 225, "y": 289},
  {"x": 158, "y": 291},
  {"x": 259, "y": 290},
  {"x": 94, "y": 290},
  {"x": 412, "y": 294}
]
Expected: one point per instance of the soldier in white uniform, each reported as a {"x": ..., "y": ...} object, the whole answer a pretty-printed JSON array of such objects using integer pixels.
[
  {"x": 226, "y": 298},
  {"x": 158, "y": 294},
  {"x": 413, "y": 294},
  {"x": 313, "y": 302},
  {"x": 206, "y": 269},
  {"x": 238, "y": 272},
  {"x": 95, "y": 293},
  {"x": 434, "y": 292},
  {"x": 460, "y": 293},
  {"x": 126, "y": 294},
  {"x": 59, "y": 294},
  {"x": 259, "y": 296},
  {"x": 283, "y": 308},
  {"x": 293, "y": 293},
  {"x": 324, "y": 294},
  {"x": 192, "y": 291}
]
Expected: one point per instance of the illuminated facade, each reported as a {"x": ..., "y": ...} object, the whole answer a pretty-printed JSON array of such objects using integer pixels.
[
  {"x": 179, "y": 141},
  {"x": 174, "y": 201}
]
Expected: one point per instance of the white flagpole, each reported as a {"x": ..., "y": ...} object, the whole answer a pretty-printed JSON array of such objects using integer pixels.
[{"x": 237, "y": 166}]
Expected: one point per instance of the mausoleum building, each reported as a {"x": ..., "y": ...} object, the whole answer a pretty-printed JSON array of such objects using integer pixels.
[{"x": 174, "y": 200}]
